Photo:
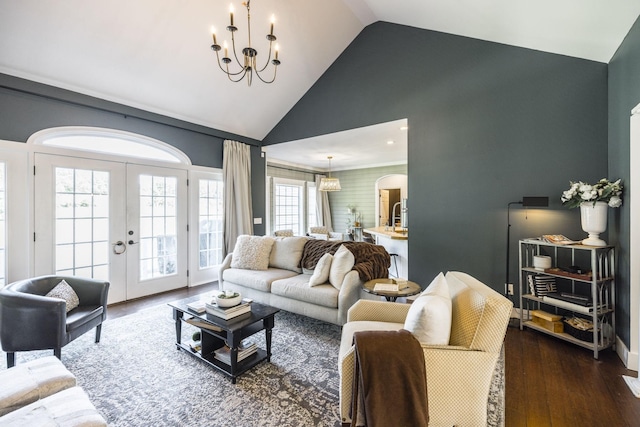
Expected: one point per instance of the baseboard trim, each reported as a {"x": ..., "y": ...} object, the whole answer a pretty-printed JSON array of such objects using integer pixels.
[{"x": 630, "y": 359}]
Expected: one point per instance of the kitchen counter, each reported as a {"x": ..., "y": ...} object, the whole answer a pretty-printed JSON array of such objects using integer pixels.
[{"x": 381, "y": 232}]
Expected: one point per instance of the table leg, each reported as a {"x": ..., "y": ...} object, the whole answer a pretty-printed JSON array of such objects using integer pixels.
[
  {"x": 177, "y": 315},
  {"x": 268, "y": 327},
  {"x": 234, "y": 343}
]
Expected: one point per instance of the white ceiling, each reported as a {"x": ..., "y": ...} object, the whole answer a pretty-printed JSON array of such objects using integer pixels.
[
  {"x": 155, "y": 55},
  {"x": 364, "y": 147}
]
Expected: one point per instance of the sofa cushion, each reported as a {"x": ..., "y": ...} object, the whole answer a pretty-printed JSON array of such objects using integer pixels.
[
  {"x": 429, "y": 318},
  {"x": 70, "y": 407},
  {"x": 320, "y": 275},
  {"x": 287, "y": 252},
  {"x": 252, "y": 252},
  {"x": 63, "y": 291},
  {"x": 342, "y": 263},
  {"x": 254, "y": 279},
  {"x": 298, "y": 288}
]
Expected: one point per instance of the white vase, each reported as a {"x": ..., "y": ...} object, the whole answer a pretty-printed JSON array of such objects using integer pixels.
[{"x": 594, "y": 222}]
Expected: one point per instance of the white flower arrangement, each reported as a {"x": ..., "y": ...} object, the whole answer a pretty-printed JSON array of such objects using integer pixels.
[{"x": 603, "y": 191}]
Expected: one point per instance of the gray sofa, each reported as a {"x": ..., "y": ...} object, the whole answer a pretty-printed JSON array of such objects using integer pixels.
[{"x": 284, "y": 283}]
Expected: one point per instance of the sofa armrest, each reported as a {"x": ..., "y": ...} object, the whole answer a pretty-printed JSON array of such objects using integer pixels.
[
  {"x": 349, "y": 294},
  {"x": 381, "y": 311},
  {"x": 40, "y": 321},
  {"x": 226, "y": 264}
]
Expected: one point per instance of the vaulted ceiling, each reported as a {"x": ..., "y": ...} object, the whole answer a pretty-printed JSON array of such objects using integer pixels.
[{"x": 155, "y": 54}]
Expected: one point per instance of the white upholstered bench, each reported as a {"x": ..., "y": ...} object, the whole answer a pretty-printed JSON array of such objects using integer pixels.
[{"x": 44, "y": 392}]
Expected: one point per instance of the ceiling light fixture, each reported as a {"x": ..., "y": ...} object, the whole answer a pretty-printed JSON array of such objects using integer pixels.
[
  {"x": 329, "y": 183},
  {"x": 249, "y": 64}
]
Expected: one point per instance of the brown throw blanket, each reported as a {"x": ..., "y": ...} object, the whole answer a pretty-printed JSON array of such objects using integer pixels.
[
  {"x": 371, "y": 261},
  {"x": 390, "y": 380}
]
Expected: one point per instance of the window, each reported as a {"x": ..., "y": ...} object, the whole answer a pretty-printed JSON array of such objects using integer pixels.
[
  {"x": 158, "y": 223},
  {"x": 210, "y": 222},
  {"x": 109, "y": 141},
  {"x": 288, "y": 196},
  {"x": 82, "y": 222}
]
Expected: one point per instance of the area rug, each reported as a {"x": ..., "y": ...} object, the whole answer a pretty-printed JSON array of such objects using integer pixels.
[{"x": 136, "y": 377}]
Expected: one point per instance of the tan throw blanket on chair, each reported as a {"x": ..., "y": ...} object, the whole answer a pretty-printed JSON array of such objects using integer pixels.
[{"x": 390, "y": 380}]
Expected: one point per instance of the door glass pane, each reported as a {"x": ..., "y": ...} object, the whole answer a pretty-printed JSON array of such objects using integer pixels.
[
  {"x": 81, "y": 223},
  {"x": 3, "y": 225},
  {"x": 210, "y": 222},
  {"x": 158, "y": 224}
]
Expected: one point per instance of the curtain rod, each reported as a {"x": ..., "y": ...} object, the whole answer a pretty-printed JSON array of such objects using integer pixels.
[{"x": 272, "y": 165}]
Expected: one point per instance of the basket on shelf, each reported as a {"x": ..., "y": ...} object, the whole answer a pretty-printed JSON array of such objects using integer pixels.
[{"x": 579, "y": 328}]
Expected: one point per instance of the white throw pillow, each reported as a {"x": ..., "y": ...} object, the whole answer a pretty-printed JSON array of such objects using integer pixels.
[
  {"x": 287, "y": 252},
  {"x": 321, "y": 273},
  {"x": 342, "y": 263},
  {"x": 429, "y": 317},
  {"x": 64, "y": 291},
  {"x": 252, "y": 252}
]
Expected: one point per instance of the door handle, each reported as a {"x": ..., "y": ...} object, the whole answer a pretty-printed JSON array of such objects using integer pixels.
[
  {"x": 119, "y": 247},
  {"x": 131, "y": 242}
]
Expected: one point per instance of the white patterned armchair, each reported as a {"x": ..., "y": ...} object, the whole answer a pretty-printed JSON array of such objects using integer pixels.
[
  {"x": 465, "y": 379},
  {"x": 324, "y": 233}
]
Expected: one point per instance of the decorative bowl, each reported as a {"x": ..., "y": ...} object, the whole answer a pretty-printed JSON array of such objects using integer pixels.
[
  {"x": 541, "y": 262},
  {"x": 225, "y": 300}
]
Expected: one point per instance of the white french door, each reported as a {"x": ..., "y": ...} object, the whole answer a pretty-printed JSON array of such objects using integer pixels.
[
  {"x": 113, "y": 221},
  {"x": 156, "y": 230}
]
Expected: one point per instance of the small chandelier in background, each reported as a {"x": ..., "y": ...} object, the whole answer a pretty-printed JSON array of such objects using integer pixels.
[
  {"x": 328, "y": 183},
  {"x": 249, "y": 63}
]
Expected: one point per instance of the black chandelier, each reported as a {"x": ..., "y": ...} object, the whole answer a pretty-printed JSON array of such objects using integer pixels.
[{"x": 249, "y": 63}]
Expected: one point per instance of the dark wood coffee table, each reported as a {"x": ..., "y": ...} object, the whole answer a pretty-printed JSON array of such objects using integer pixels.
[{"x": 217, "y": 332}]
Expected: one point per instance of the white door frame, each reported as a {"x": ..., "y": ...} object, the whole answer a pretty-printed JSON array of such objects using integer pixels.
[{"x": 634, "y": 242}]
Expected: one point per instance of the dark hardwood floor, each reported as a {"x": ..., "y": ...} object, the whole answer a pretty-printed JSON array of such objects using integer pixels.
[{"x": 548, "y": 382}]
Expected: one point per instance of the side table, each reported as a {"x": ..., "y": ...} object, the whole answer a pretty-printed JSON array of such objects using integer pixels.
[{"x": 405, "y": 289}]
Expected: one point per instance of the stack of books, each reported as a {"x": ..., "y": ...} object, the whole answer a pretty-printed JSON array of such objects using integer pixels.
[
  {"x": 246, "y": 349},
  {"x": 229, "y": 312},
  {"x": 541, "y": 285}
]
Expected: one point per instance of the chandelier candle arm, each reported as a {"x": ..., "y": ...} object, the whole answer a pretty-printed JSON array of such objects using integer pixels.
[{"x": 249, "y": 54}]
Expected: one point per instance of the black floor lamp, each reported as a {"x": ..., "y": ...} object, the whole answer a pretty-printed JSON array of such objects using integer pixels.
[{"x": 526, "y": 202}]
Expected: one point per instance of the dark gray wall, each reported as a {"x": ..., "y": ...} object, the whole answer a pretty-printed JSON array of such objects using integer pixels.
[
  {"x": 27, "y": 107},
  {"x": 488, "y": 124},
  {"x": 624, "y": 95}
]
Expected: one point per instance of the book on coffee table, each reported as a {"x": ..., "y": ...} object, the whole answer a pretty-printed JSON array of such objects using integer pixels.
[{"x": 228, "y": 313}]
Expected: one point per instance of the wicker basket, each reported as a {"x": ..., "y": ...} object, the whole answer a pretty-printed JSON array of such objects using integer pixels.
[{"x": 582, "y": 335}]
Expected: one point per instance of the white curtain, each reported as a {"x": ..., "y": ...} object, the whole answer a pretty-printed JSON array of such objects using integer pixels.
[
  {"x": 238, "y": 212},
  {"x": 323, "y": 210}
]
